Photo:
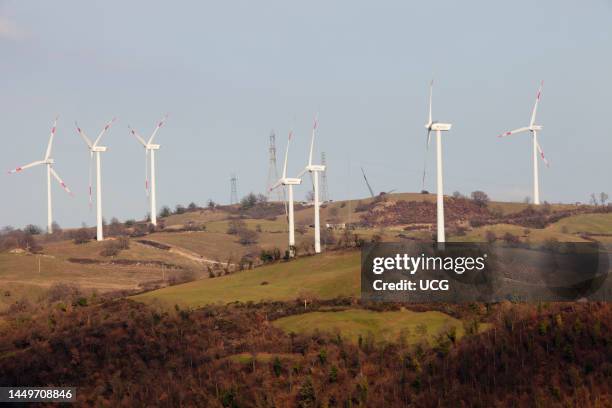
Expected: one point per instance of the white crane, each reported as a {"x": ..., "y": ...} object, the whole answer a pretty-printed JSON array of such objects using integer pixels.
[
  {"x": 438, "y": 128},
  {"x": 94, "y": 148},
  {"x": 150, "y": 149},
  {"x": 49, "y": 162},
  {"x": 533, "y": 128},
  {"x": 314, "y": 170},
  {"x": 289, "y": 182}
]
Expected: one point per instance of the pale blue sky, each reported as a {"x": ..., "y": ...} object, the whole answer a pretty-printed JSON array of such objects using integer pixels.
[{"x": 229, "y": 72}]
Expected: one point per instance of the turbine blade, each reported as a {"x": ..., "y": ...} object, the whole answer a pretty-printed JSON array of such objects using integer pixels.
[
  {"x": 53, "y": 129},
  {"x": 137, "y": 136},
  {"x": 511, "y": 132},
  {"x": 106, "y": 127},
  {"x": 542, "y": 154},
  {"x": 312, "y": 139},
  {"x": 27, "y": 166},
  {"x": 60, "y": 181},
  {"x": 276, "y": 185},
  {"x": 302, "y": 173},
  {"x": 159, "y": 125},
  {"x": 83, "y": 135},
  {"x": 535, "y": 106},
  {"x": 287, "y": 154},
  {"x": 430, "y": 102}
]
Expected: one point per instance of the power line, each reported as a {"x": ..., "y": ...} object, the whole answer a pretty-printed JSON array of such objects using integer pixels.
[
  {"x": 277, "y": 195},
  {"x": 234, "y": 191}
]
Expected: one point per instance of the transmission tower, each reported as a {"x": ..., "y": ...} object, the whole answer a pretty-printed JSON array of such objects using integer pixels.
[
  {"x": 324, "y": 193},
  {"x": 234, "y": 193},
  {"x": 278, "y": 194}
]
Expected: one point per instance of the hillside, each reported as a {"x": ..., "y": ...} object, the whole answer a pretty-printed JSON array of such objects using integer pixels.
[
  {"x": 327, "y": 276},
  {"x": 127, "y": 354},
  {"x": 195, "y": 244}
]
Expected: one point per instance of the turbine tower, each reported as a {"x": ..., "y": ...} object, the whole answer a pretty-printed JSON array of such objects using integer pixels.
[
  {"x": 94, "y": 148},
  {"x": 288, "y": 182},
  {"x": 49, "y": 162},
  {"x": 324, "y": 192},
  {"x": 314, "y": 170},
  {"x": 438, "y": 127},
  {"x": 533, "y": 128},
  {"x": 150, "y": 149}
]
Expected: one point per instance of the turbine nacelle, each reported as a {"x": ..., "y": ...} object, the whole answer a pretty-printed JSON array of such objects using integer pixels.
[
  {"x": 289, "y": 181},
  {"x": 315, "y": 167},
  {"x": 444, "y": 127},
  {"x": 152, "y": 147},
  {"x": 536, "y": 128},
  {"x": 96, "y": 149}
]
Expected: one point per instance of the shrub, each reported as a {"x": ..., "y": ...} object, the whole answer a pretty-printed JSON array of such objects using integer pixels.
[
  {"x": 32, "y": 229},
  {"x": 248, "y": 201},
  {"x": 510, "y": 238},
  {"x": 130, "y": 223},
  {"x": 165, "y": 212},
  {"x": 112, "y": 248},
  {"x": 476, "y": 222},
  {"x": 62, "y": 291},
  {"x": 179, "y": 209},
  {"x": 480, "y": 198},
  {"x": 247, "y": 237},
  {"x": 82, "y": 236},
  {"x": 235, "y": 226},
  {"x": 490, "y": 237}
]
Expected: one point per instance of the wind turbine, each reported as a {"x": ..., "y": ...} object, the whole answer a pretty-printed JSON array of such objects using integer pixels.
[
  {"x": 49, "y": 162},
  {"x": 314, "y": 170},
  {"x": 150, "y": 149},
  {"x": 290, "y": 182},
  {"x": 438, "y": 127},
  {"x": 533, "y": 128},
  {"x": 94, "y": 148}
]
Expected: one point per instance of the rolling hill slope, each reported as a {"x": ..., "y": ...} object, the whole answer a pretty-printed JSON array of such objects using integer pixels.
[{"x": 325, "y": 276}]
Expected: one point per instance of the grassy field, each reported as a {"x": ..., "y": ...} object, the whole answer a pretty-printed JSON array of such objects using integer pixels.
[
  {"x": 327, "y": 276},
  {"x": 585, "y": 223},
  {"x": 565, "y": 230},
  {"x": 29, "y": 276},
  {"x": 384, "y": 326},
  {"x": 525, "y": 234},
  {"x": 221, "y": 246}
]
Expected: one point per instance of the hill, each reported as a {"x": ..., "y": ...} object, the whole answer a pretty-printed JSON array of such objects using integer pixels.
[
  {"x": 196, "y": 244},
  {"x": 124, "y": 353},
  {"x": 326, "y": 276}
]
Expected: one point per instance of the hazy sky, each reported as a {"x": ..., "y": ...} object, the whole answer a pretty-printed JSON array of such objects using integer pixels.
[{"x": 229, "y": 72}]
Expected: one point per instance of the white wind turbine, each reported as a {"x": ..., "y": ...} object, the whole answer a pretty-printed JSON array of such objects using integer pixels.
[
  {"x": 438, "y": 128},
  {"x": 95, "y": 148},
  {"x": 533, "y": 128},
  {"x": 49, "y": 162},
  {"x": 290, "y": 182},
  {"x": 150, "y": 149},
  {"x": 314, "y": 170}
]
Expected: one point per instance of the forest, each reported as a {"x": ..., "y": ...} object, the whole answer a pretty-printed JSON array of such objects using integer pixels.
[{"x": 120, "y": 353}]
